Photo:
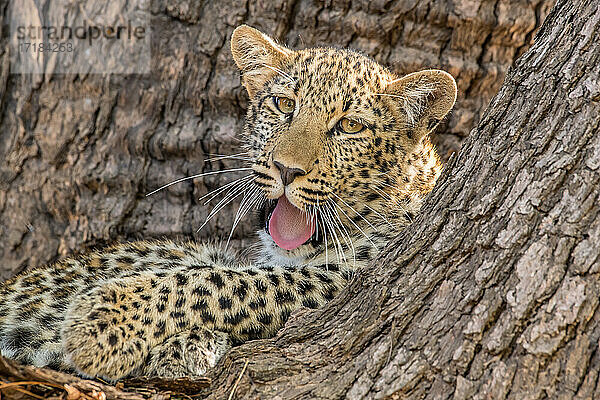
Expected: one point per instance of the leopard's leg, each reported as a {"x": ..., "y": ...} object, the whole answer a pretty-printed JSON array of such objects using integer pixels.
[
  {"x": 188, "y": 353},
  {"x": 99, "y": 338},
  {"x": 110, "y": 331}
]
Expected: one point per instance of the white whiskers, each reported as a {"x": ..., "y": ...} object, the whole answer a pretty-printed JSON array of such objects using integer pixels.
[
  {"x": 344, "y": 232},
  {"x": 233, "y": 193},
  {"x": 252, "y": 199},
  {"x": 214, "y": 193},
  {"x": 353, "y": 209},
  {"x": 355, "y": 225},
  {"x": 238, "y": 156},
  {"x": 197, "y": 176},
  {"x": 232, "y": 190}
]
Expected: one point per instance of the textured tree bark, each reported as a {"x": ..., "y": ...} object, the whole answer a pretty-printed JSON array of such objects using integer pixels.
[
  {"x": 493, "y": 291},
  {"x": 78, "y": 152}
]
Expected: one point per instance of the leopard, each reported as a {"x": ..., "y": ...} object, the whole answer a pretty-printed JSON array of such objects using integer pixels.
[{"x": 340, "y": 162}]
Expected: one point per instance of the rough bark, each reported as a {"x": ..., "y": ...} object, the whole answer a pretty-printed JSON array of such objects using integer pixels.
[
  {"x": 78, "y": 152},
  {"x": 493, "y": 291}
]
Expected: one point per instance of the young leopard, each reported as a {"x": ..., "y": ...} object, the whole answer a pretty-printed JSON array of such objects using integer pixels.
[{"x": 340, "y": 163}]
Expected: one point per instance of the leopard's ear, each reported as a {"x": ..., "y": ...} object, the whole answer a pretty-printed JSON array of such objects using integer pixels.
[
  {"x": 257, "y": 56},
  {"x": 424, "y": 97}
]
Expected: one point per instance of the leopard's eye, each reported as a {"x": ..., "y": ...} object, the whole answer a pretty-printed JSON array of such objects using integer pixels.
[
  {"x": 285, "y": 104},
  {"x": 348, "y": 125}
]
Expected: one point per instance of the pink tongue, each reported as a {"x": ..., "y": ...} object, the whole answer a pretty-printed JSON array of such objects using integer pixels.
[{"x": 289, "y": 226}]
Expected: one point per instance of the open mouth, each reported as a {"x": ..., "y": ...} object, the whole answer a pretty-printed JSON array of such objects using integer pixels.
[{"x": 289, "y": 226}]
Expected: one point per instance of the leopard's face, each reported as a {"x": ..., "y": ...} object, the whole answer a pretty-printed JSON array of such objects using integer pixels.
[
  {"x": 331, "y": 135},
  {"x": 323, "y": 132}
]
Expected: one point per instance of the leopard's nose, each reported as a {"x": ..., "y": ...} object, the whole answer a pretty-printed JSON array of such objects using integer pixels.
[{"x": 288, "y": 174}]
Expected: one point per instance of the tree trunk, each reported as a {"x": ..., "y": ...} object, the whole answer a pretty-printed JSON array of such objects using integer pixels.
[
  {"x": 493, "y": 291},
  {"x": 79, "y": 151}
]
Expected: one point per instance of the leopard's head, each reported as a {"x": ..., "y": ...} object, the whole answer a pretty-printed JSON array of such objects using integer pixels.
[{"x": 338, "y": 144}]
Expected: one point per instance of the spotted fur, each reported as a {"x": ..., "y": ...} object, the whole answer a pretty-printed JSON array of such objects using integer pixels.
[{"x": 173, "y": 309}]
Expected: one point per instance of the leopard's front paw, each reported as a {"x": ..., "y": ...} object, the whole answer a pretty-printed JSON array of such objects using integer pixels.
[
  {"x": 189, "y": 353},
  {"x": 97, "y": 339}
]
